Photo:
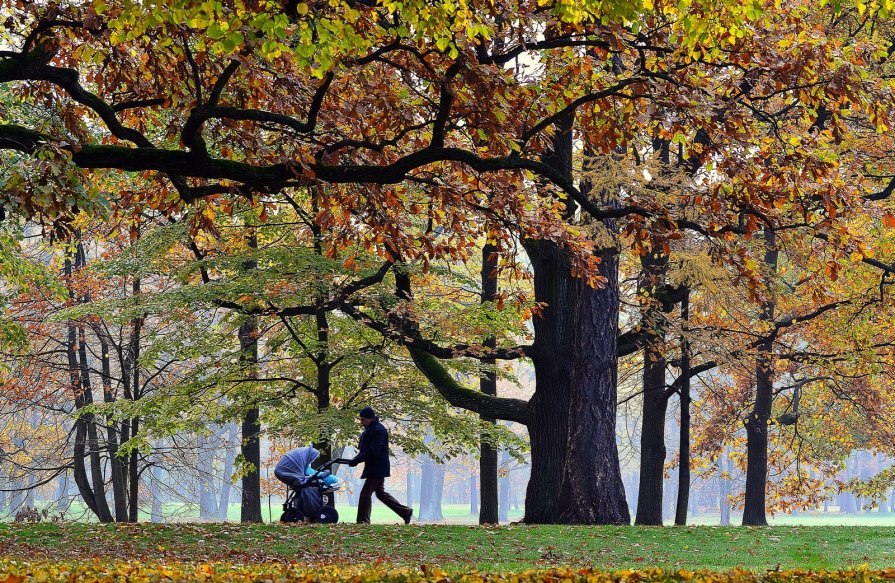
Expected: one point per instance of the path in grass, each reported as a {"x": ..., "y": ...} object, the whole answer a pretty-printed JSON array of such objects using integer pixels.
[{"x": 460, "y": 547}]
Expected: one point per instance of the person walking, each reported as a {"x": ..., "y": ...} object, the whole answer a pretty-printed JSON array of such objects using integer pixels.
[{"x": 373, "y": 453}]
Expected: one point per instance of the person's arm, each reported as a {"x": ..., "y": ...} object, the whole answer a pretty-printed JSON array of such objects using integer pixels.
[
  {"x": 378, "y": 443},
  {"x": 361, "y": 453}
]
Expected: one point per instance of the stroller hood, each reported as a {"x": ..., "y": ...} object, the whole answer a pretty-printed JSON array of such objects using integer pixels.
[{"x": 291, "y": 469}]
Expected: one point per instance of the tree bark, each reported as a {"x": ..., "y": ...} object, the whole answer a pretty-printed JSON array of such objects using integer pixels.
[
  {"x": 79, "y": 453},
  {"x": 116, "y": 465},
  {"x": 251, "y": 444},
  {"x": 754, "y": 512},
  {"x": 683, "y": 483},
  {"x": 592, "y": 491},
  {"x": 86, "y": 446},
  {"x": 96, "y": 469},
  {"x": 654, "y": 266},
  {"x": 488, "y": 512}
]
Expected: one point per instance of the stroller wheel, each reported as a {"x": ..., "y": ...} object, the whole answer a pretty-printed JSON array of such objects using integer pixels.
[
  {"x": 292, "y": 515},
  {"x": 328, "y": 515}
]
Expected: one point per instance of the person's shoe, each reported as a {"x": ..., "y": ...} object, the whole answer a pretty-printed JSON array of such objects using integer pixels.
[{"x": 408, "y": 517}]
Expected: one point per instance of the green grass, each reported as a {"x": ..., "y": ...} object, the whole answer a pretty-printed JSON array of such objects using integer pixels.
[
  {"x": 458, "y": 547},
  {"x": 180, "y": 512}
]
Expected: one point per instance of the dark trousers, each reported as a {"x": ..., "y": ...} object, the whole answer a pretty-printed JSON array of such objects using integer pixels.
[{"x": 365, "y": 504}]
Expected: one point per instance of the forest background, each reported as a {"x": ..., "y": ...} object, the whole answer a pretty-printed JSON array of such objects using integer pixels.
[{"x": 531, "y": 231}]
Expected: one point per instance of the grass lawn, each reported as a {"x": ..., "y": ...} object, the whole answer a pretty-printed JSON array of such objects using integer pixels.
[
  {"x": 457, "y": 547},
  {"x": 180, "y": 512}
]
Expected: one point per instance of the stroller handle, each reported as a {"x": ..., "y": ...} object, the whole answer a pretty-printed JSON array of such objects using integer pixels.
[{"x": 330, "y": 463}]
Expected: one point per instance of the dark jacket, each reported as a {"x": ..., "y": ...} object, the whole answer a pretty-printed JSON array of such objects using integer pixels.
[{"x": 373, "y": 451}]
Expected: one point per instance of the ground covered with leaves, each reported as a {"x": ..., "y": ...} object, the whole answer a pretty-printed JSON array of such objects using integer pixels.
[
  {"x": 22, "y": 572},
  {"x": 455, "y": 548}
]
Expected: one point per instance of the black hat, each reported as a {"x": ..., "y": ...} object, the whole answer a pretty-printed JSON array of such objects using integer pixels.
[{"x": 367, "y": 413}]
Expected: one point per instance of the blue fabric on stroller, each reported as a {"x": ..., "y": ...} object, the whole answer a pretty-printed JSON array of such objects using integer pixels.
[{"x": 306, "y": 484}]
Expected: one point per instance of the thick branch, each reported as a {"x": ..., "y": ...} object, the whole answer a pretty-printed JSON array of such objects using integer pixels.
[{"x": 459, "y": 396}]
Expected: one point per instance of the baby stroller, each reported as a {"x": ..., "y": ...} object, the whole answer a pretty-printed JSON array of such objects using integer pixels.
[{"x": 311, "y": 495}]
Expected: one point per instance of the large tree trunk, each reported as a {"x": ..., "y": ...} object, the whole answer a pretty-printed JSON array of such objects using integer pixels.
[
  {"x": 592, "y": 491},
  {"x": 655, "y": 401},
  {"x": 548, "y": 409},
  {"x": 757, "y": 423},
  {"x": 575, "y": 362}
]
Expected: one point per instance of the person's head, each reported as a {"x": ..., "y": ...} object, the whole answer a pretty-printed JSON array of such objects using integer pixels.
[{"x": 367, "y": 416}]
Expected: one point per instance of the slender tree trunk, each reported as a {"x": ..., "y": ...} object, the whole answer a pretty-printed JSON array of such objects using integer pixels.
[
  {"x": 156, "y": 513},
  {"x": 504, "y": 498},
  {"x": 85, "y": 490},
  {"x": 116, "y": 465},
  {"x": 725, "y": 468},
  {"x": 86, "y": 445},
  {"x": 207, "y": 506},
  {"x": 96, "y": 469},
  {"x": 250, "y": 510},
  {"x": 847, "y": 501},
  {"x": 133, "y": 481},
  {"x": 324, "y": 382},
  {"x": 4, "y": 495},
  {"x": 229, "y": 460},
  {"x": 655, "y": 402},
  {"x": 757, "y": 423},
  {"x": 251, "y": 443},
  {"x": 488, "y": 513},
  {"x": 474, "y": 497},
  {"x": 438, "y": 491},
  {"x": 683, "y": 483},
  {"x": 427, "y": 490},
  {"x": 132, "y": 392}
]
